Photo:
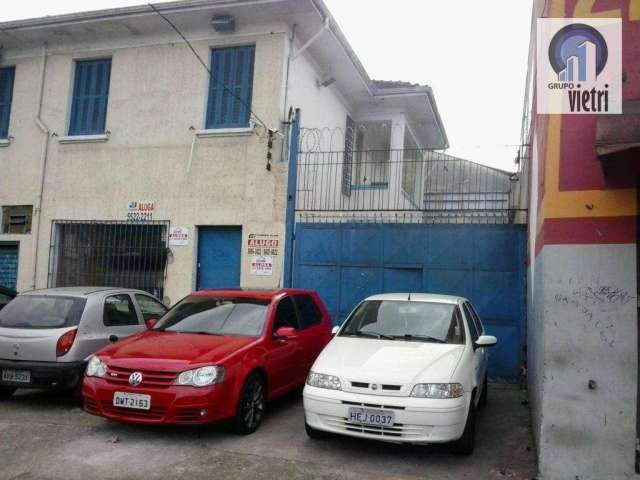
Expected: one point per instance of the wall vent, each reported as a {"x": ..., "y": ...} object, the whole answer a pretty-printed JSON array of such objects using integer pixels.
[{"x": 224, "y": 23}]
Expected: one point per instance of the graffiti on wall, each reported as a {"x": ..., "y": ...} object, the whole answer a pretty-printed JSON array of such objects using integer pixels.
[{"x": 596, "y": 303}]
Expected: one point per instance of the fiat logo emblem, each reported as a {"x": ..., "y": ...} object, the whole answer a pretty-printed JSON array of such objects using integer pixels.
[
  {"x": 135, "y": 379},
  {"x": 374, "y": 386}
]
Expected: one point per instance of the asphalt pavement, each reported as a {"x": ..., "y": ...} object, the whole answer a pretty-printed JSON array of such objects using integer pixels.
[{"x": 44, "y": 435}]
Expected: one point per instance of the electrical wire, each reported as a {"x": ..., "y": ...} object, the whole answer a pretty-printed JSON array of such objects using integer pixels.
[{"x": 206, "y": 67}]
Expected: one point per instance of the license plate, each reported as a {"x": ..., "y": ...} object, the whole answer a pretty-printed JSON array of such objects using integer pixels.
[
  {"x": 17, "y": 376},
  {"x": 132, "y": 400},
  {"x": 368, "y": 416}
]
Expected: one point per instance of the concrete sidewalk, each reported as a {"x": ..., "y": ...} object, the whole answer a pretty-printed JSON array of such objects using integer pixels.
[{"x": 47, "y": 436}]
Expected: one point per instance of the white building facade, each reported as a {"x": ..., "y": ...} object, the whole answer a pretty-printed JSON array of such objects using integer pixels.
[{"x": 125, "y": 162}]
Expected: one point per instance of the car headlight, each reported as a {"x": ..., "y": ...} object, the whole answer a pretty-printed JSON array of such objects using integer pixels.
[
  {"x": 438, "y": 390},
  {"x": 96, "y": 367},
  {"x": 321, "y": 380},
  {"x": 201, "y": 377}
]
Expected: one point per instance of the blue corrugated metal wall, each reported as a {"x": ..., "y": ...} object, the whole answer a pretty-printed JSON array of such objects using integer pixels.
[
  {"x": 345, "y": 263},
  {"x": 8, "y": 266}
]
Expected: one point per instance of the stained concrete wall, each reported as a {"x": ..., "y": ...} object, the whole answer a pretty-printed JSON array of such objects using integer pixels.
[
  {"x": 583, "y": 327},
  {"x": 535, "y": 343},
  {"x": 157, "y": 98}
]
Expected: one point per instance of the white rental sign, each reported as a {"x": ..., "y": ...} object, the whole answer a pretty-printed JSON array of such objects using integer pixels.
[
  {"x": 262, "y": 266},
  {"x": 178, "y": 236}
]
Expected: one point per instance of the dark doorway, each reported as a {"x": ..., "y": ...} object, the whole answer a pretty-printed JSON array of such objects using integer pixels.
[{"x": 109, "y": 254}]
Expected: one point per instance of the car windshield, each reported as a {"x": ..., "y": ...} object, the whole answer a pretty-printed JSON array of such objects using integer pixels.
[
  {"x": 405, "y": 320},
  {"x": 216, "y": 316},
  {"x": 42, "y": 311}
]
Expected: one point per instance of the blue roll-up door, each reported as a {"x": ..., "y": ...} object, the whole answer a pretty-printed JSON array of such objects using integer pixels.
[{"x": 8, "y": 266}]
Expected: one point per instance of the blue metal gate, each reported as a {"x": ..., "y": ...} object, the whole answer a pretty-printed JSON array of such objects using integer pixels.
[{"x": 346, "y": 262}]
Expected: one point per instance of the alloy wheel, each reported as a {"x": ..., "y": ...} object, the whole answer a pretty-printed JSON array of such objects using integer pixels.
[{"x": 253, "y": 404}]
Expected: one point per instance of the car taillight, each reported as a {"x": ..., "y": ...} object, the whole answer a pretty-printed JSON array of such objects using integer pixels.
[{"x": 65, "y": 342}]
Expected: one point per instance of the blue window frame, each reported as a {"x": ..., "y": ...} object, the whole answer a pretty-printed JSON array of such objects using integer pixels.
[
  {"x": 7, "y": 75},
  {"x": 90, "y": 97},
  {"x": 230, "y": 87}
]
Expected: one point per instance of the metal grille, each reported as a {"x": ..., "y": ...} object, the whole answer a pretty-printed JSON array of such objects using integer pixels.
[
  {"x": 405, "y": 186},
  {"x": 349, "y": 143},
  {"x": 111, "y": 254}
]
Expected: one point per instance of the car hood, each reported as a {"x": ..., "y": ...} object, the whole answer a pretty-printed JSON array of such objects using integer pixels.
[
  {"x": 173, "y": 351},
  {"x": 388, "y": 361}
]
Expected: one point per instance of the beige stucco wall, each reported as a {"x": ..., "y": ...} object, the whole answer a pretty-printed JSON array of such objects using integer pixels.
[{"x": 157, "y": 98}]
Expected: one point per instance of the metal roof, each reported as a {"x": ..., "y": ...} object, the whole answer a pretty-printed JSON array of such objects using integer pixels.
[{"x": 384, "y": 84}]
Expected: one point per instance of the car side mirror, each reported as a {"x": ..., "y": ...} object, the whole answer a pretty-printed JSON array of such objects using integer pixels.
[
  {"x": 151, "y": 322},
  {"x": 335, "y": 330},
  {"x": 286, "y": 332},
  {"x": 113, "y": 338},
  {"x": 485, "y": 341}
]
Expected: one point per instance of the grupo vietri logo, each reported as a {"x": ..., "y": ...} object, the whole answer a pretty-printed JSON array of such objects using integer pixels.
[
  {"x": 579, "y": 66},
  {"x": 578, "y": 52}
]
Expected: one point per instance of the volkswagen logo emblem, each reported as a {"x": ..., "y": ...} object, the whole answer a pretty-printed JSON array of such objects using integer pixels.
[
  {"x": 135, "y": 379},
  {"x": 374, "y": 386}
]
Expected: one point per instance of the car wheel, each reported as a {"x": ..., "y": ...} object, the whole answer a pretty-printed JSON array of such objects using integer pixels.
[
  {"x": 482, "y": 401},
  {"x": 6, "y": 393},
  {"x": 466, "y": 443},
  {"x": 315, "y": 434},
  {"x": 251, "y": 405}
]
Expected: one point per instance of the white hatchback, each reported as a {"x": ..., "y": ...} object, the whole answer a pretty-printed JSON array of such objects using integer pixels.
[{"x": 408, "y": 368}]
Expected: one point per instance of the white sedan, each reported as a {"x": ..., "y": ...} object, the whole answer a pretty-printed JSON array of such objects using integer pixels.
[{"x": 408, "y": 368}]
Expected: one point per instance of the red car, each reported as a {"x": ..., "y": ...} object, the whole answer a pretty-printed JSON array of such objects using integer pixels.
[{"x": 215, "y": 355}]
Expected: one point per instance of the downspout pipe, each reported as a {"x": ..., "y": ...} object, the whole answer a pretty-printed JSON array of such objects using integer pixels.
[
  {"x": 43, "y": 162},
  {"x": 292, "y": 181},
  {"x": 285, "y": 121}
]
